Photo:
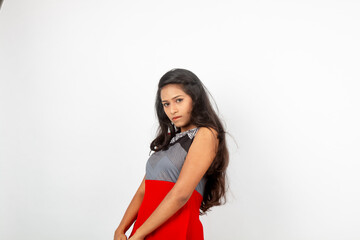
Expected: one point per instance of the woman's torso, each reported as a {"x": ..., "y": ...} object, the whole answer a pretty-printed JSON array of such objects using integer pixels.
[{"x": 162, "y": 171}]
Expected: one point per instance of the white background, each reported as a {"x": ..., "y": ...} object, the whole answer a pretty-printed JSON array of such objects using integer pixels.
[{"x": 77, "y": 92}]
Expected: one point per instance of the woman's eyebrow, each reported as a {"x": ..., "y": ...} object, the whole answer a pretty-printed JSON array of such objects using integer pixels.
[{"x": 172, "y": 98}]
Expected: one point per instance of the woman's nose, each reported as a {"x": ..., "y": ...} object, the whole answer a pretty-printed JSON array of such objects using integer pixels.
[{"x": 173, "y": 109}]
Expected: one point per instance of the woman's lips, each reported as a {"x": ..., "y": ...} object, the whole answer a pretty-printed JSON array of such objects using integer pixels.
[{"x": 176, "y": 118}]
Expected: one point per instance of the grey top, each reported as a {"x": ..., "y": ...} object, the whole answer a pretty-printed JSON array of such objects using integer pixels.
[{"x": 165, "y": 165}]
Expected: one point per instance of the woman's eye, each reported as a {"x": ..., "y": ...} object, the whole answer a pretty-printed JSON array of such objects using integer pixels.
[{"x": 177, "y": 100}]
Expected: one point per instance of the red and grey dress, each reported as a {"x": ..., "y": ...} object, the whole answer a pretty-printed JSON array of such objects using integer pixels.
[{"x": 162, "y": 171}]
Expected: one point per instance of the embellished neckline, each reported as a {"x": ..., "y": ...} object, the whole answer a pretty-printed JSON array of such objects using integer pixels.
[
  {"x": 191, "y": 132},
  {"x": 192, "y": 129}
]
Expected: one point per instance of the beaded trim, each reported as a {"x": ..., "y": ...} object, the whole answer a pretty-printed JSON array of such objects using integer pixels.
[{"x": 191, "y": 133}]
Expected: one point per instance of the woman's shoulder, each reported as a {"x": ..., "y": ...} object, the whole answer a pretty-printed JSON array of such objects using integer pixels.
[
  {"x": 207, "y": 131},
  {"x": 205, "y": 141},
  {"x": 207, "y": 135}
]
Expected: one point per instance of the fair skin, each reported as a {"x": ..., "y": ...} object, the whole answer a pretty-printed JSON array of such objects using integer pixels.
[{"x": 199, "y": 158}]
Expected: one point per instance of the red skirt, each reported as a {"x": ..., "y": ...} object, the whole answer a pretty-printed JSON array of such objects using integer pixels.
[{"x": 183, "y": 225}]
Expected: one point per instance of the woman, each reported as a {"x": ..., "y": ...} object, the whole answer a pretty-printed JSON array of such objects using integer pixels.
[{"x": 185, "y": 176}]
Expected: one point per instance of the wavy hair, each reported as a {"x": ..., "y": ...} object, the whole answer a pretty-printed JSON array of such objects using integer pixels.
[{"x": 202, "y": 115}]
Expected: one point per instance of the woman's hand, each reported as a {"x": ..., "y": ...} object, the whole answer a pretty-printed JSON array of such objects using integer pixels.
[{"x": 119, "y": 235}]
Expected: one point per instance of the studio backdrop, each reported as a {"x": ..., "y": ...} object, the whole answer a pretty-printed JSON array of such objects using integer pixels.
[{"x": 77, "y": 92}]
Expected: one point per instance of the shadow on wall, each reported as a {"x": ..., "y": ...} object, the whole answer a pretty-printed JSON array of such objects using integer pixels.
[{"x": 1, "y": 1}]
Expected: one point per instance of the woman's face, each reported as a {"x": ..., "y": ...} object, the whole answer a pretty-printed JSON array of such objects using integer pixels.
[{"x": 177, "y": 105}]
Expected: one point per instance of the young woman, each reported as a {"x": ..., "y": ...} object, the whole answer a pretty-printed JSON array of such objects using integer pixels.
[{"x": 185, "y": 176}]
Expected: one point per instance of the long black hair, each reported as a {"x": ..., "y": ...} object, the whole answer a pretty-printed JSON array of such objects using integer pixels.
[{"x": 202, "y": 115}]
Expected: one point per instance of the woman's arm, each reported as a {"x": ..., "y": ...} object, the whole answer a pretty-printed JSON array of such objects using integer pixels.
[
  {"x": 131, "y": 212},
  {"x": 199, "y": 158}
]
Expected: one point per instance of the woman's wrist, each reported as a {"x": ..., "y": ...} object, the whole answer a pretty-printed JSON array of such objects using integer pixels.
[
  {"x": 139, "y": 233},
  {"x": 120, "y": 229}
]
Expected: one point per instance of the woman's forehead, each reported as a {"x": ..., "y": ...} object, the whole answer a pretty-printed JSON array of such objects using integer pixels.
[{"x": 170, "y": 91}]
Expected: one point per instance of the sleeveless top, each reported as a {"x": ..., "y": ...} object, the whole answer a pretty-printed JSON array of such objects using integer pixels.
[{"x": 162, "y": 171}]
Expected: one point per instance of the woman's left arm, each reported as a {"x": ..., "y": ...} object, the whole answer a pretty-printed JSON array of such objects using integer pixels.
[{"x": 199, "y": 158}]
